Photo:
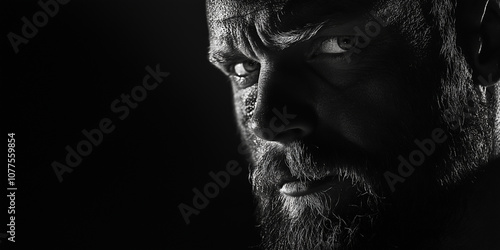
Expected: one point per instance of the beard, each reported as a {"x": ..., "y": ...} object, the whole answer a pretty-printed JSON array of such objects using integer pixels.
[
  {"x": 357, "y": 211},
  {"x": 321, "y": 220},
  {"x": 466, "y": 110}
]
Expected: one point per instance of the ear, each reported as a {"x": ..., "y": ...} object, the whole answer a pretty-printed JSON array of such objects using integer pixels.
[{"x": 478, "y": 34}]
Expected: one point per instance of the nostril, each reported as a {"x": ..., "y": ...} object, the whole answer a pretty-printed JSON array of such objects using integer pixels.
[
  {"x": 263, "y": 132},
  {"x": 275, "y": 129},
  {"x": 282, "y": 123}
]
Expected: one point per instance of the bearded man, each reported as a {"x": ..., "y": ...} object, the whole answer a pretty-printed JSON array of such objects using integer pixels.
[{"x": 371, "y": 124}]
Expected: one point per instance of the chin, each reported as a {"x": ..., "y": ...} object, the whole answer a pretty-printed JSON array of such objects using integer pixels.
[{"x": 338, "y": 217}]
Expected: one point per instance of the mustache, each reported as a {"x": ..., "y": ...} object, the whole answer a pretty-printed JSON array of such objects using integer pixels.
[
  {"x": 275, "y": 164},
  {"x": 305, "y": 222}
]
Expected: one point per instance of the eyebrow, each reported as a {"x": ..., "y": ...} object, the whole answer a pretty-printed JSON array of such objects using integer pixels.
[
  {"x": 224, "y": 56},
  {"x": 269, "y": 39},
  {"x": 286, "y": 39}
]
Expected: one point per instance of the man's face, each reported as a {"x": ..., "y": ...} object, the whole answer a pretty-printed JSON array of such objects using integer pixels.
[{"x": 330, "y": 96}]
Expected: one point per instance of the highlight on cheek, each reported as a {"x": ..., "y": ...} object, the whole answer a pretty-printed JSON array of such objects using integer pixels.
[{"x": 245, "y": 100}]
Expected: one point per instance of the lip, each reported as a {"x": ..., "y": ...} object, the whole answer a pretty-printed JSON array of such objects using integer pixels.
[{"x": 297, "y": 188}]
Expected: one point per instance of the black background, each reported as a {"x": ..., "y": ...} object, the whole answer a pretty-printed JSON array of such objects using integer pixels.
[{"x": 125, "y": 194}]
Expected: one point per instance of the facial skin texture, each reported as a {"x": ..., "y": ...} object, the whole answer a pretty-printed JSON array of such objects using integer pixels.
[{"x": 314, "y": 113}]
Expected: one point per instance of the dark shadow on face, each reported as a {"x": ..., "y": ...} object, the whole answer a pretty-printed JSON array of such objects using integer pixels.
[{"x": 330, "y": 96}]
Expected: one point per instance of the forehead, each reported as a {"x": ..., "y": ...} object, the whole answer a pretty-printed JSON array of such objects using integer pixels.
[
  {"x": 237, "y": 23},
  {"x": 280, "y": 12}
]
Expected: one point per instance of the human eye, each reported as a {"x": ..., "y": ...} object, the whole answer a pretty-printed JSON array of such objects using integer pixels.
[
  {"x": 244, "y": 73},
  {"x": 245, "y": 68},
  {"x": 336, "y": 45}
]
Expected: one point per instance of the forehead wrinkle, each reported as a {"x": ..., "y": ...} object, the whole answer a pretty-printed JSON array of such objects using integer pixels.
[
  {"x": 256, "y": 35},
  {"x": 249, "y": 42},
  {"x": 274, "y": 25},
  {"x": 269, "y": 31},
  {"x": 223, "y": 10},
  {"x": 234, "y": 40},
  {"x": 269, "y": 7}
]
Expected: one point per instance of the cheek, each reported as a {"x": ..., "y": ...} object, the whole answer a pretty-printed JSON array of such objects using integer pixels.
[
  {"x": 376, "y": 116},
  {"x": 368, "y": 100},
  {"x": 371, "y": 115},
  {"x": 244, "y": 104}
]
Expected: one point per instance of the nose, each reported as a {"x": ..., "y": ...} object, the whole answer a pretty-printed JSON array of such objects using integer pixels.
[
  {"x": 282, "y": 125},
  {"x": 283, "y": 110}
]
